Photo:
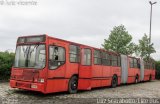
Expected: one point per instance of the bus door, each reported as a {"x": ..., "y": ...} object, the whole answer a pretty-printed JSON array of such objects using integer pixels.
[{"x": 85, "y": 69}]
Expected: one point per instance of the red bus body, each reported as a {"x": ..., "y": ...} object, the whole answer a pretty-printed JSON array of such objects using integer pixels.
[
  {"x": 133, "y": 69},
  {"x": 149, "y": 72},
  {"x": 93, "y": 67}
]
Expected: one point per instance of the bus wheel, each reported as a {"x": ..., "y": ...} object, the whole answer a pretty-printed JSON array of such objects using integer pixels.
[
  {"x": 150, "y": 78},
  {"x": 114, "y": 81},
  {"x": 73, "y": 85},
  {"x": 136, "y": 79}
]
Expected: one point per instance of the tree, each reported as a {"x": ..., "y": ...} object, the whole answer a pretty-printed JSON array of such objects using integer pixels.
[
  {"x": 119, "y": 41},
  {"x": 157, "y": 69},
  {"x": 6, "y": 60},
  {"x": 145, "y": 48}
]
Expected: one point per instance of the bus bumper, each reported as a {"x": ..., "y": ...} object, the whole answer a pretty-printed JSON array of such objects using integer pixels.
[{"x": 27, "y": 85}]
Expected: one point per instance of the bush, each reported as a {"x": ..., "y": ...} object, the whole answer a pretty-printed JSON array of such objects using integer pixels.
[
  {"x": 6, "y": 61},
  {"x": 157, "y": 69}
]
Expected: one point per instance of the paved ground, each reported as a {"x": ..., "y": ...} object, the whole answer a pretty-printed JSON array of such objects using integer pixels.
[{"x": 99, "y": 95}]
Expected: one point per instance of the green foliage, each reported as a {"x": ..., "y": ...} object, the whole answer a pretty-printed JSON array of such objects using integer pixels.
[
  {"x": 6, "y": 60},
  {"x": 119, "y": 41},
  {"x": 157, "y": 69},
  {"x": 158, "y": 65},
  {"x": 145, "y": 48}
]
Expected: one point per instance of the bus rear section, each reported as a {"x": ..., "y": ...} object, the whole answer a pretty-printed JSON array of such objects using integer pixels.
[
  {"x": 153, "y": 70},
  {"x": 149, "y": 70},
  {"x": 136, "y": 70}
]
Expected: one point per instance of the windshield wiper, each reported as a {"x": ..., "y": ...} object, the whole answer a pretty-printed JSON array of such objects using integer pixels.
[
  {"x": 25, "y": 50},
  {"x": 30, "y": 51},
  {"x": 27, "y": 53}
]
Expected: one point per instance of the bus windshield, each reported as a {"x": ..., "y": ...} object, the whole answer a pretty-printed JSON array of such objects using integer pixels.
[{"x": 30, "y": 56}]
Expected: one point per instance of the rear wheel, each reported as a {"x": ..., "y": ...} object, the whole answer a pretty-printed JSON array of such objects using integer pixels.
[
  {"x": 73, "y": 85},
  {"x": 114, "y": 81}
]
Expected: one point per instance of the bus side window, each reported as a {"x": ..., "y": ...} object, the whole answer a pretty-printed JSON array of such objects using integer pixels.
[
  {"x": 131, "y": 62},
  {"x": 97, "y": 57},
  {"x": 114, "y": 60},
  {"x": 86, "y": 57},
  {"x": 74, "y": 53},
  {"x": 56, "y": 56},
  {"x": 135, "y": 65},
  {"x": 106, "y": 59}
]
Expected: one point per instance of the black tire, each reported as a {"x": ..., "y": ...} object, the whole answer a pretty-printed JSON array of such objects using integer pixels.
[
  {"x": 73, "y": 85},
  {"x": 137, "y": 79},
  {"x": 114, "y": 81}
]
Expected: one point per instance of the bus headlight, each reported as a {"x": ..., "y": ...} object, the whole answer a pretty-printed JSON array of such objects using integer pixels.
[{"x": 41, "y": 80}]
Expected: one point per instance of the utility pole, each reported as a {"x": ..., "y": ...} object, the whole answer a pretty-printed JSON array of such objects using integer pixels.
[{"x": 150, "y": 28}]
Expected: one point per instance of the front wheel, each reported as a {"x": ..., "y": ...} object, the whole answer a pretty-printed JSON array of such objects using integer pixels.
[{"x": 73, "y": 85}]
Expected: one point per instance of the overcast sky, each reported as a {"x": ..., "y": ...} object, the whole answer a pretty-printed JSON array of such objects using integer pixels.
[{"x": 83, "y": 21}]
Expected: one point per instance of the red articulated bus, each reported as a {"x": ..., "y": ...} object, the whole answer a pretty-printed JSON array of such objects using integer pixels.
[{"x": 47, "y": 64}]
